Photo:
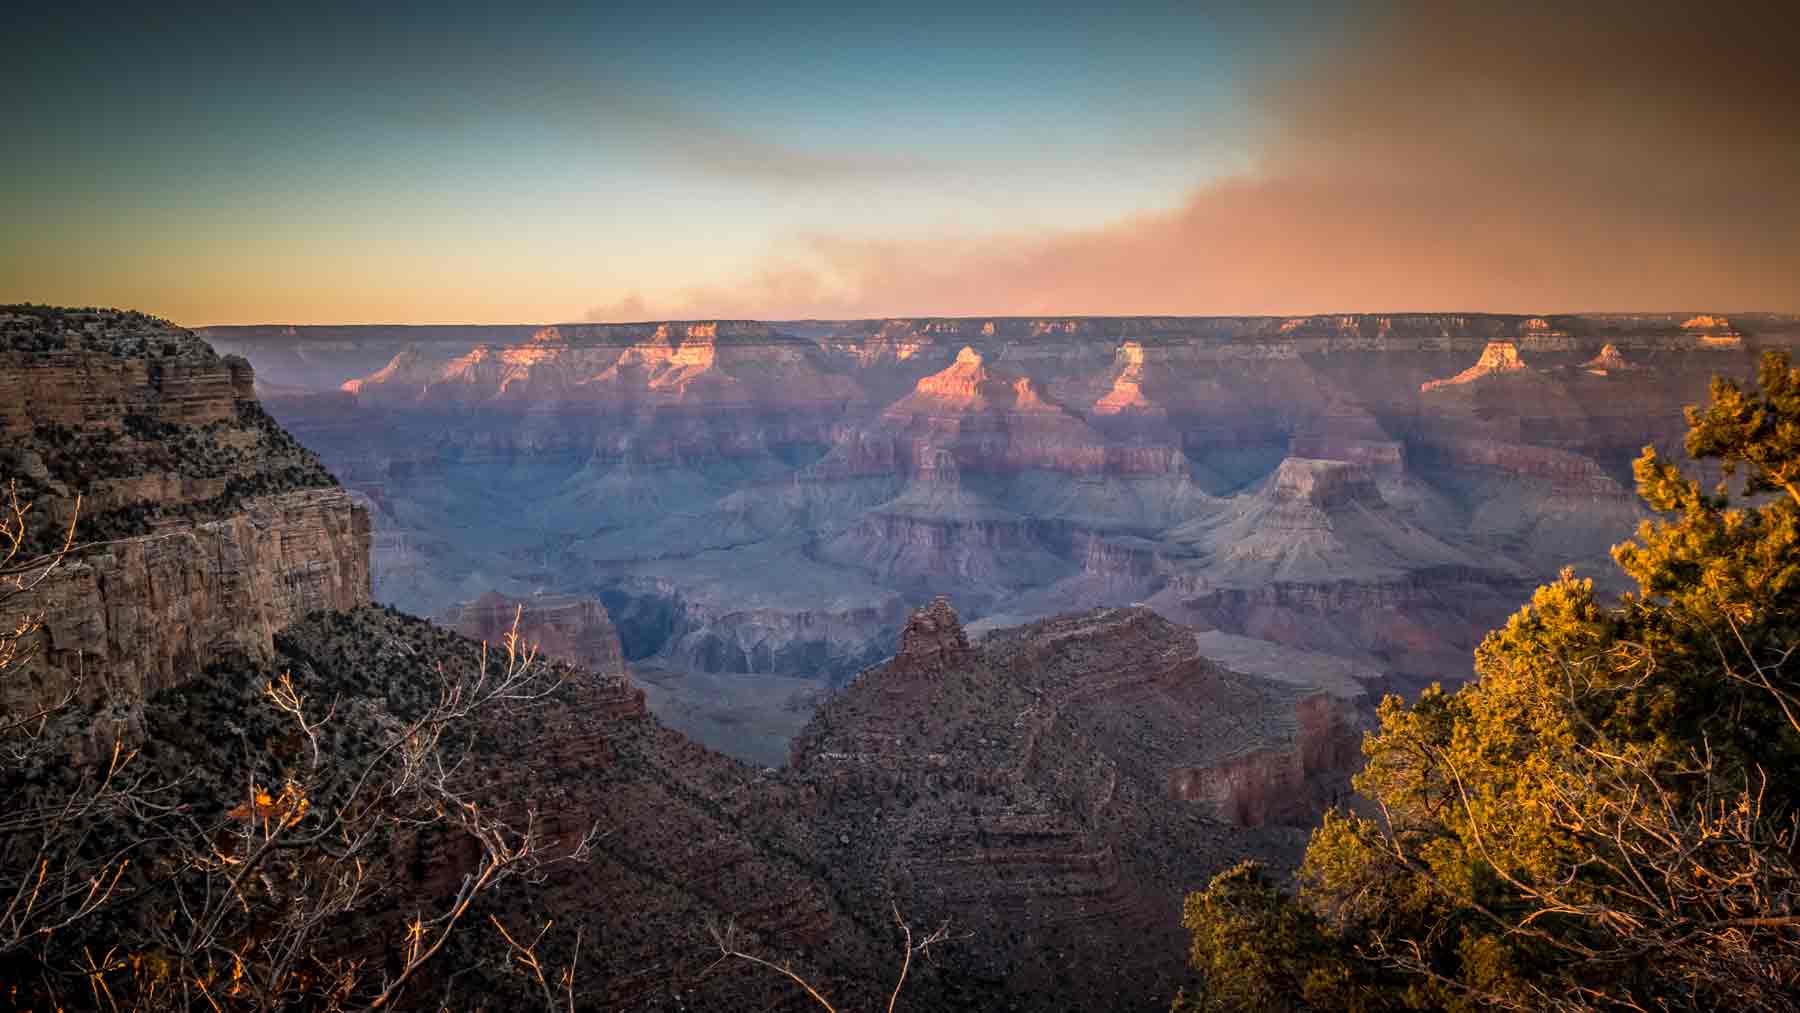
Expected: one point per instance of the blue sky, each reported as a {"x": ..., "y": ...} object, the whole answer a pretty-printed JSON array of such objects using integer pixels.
[
  {"x": 569, "y": 158},
  {"x": 483, "y": 164}
]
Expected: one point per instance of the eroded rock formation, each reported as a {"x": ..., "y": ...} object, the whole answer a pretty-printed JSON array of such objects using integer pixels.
[
  {"x": 1497, "y": 357},
  {"x": 1052, "y": 786},
  {"x": 202, "y": 528},
  {"x": 573, "y": 629},
  {"x": 1055, "y": 787},
  {"x": 761, "y": 498}
]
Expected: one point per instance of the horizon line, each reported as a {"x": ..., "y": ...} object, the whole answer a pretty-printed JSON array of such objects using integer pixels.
[{"x": 1578, "y": 314}]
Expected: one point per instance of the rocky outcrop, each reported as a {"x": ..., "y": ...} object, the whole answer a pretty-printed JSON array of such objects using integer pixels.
[
  {"x": 932, "y": 643},
  {"x": 1713, "y": 332},
  {"x": 202, "y": 528},
  {"x": 1497, "y": 358},
  {"x": 138, "y": 418},
  {"x": 1039, "y": 788},
  {"x": 1126, "y": 395},
  {"x": 567, "y": 627},
  {"x": 1610, "y": 360},
  {"x": 681, "y": 838},
  {"x": 93, "y": 369}
]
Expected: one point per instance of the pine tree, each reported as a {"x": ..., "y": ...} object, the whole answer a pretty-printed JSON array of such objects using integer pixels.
[{"x": 1605, "y": 817}]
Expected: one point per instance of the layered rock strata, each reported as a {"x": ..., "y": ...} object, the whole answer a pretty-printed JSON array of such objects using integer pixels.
[
  {"x": 1054, "y": 788},
  {"x": 757, "y": 498},
  {"x": 681, "y": 838},
  {"x": 576, "y": 630},
  {"x": 134, "y": 615},
  {"x": 201, "y": 528}
]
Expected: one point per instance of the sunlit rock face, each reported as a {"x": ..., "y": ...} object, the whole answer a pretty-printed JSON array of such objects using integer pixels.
[
  {"x": 766, "y": 499},
  {"x": 989, "y": 420},
  {"x": 1497, "y": 357},
  {"x": 1126, "y": 395},
  {"x": 1713, "y": 331},
  {"x": 1608, "y": 361}
]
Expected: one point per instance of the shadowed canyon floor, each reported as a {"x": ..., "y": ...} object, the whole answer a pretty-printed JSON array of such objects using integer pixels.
[{"x": 758, "y": 504}]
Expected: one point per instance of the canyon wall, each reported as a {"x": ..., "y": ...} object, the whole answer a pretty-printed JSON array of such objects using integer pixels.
[
  {"x": 757, "y": 499},
  {"x": 200, "y": 527},
  {"x": 139, "y": 614},
  {"x": 1054, "y": 788},
  {"x": 575, "y": 630}
]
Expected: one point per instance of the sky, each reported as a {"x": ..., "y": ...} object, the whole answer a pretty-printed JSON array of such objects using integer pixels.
[{"x": 522, "y": 164}]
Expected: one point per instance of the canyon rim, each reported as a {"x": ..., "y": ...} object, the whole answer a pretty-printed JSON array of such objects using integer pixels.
[{"x": 965, "y": 507}]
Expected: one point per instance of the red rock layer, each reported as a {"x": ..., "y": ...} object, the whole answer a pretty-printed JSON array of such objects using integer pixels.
[
  {"x": 567, "y": 627},
  {"x": 142, "y": 614},
  {"x": 1032, "y": 788},
  {"x": 205, "y": 529}
]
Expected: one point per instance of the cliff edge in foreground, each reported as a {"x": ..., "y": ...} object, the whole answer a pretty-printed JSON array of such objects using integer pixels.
[{"x": 204, "y": 528}]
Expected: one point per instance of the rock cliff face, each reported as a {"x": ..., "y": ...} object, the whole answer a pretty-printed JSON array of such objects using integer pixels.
[
  {"x": 1054, "y": 788},
  {"x": 575, "y": 630},
  {"x": 759, "y": 498},
  {"x": 151, "y": 610},
  {"x": 202, "y": 528}
]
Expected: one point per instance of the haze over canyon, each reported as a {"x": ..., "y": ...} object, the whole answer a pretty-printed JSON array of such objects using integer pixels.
[
  {"x": 1342, "y": 502},
  {"x": 953, "y": 507}
]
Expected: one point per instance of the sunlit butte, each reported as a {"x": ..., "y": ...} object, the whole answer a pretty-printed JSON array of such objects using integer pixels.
[{"x": 473, "y": 165}]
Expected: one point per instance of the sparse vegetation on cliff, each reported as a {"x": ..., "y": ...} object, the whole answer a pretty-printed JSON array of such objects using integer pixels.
[
  {"x": 240, "y": 842},
  {"x": 140, "y": 417},
  {"x": 1606, "y": 818}
]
